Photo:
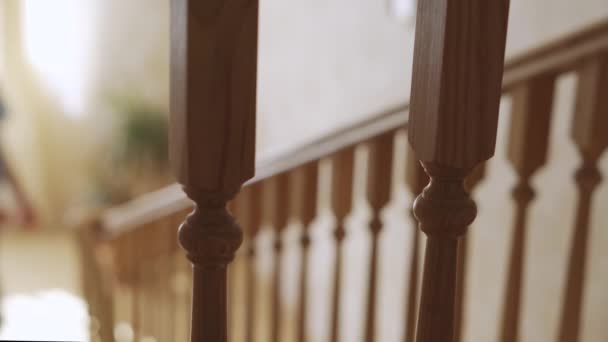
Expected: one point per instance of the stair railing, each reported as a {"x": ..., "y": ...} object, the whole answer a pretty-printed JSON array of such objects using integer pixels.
[{"x": 153, "y": 285}]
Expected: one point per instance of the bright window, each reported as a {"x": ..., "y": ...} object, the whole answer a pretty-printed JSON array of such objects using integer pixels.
[{"x": 57, "y": 41}]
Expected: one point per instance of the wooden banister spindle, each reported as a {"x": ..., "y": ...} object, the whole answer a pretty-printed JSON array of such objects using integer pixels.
[
  {"x": 179, "y": 285},
  {"x": 281, "y": 187},
  {"x": 456, "y": 88},
  {"x": 590, "y": 134},
  {"x": 213, "y": 103},
  {"x": 379, "y": 185},
  {"x": 463, "y": 252},
  {"x": 416, "y": 180},
  {"x": 249, "y": 207},
  {"x": 307, "y": 211},
  {"x": 343, "y": 164},
  {"x": 532, "y": 104},
  {"x": 133, "y": 257},
  {"x": 170, "y": 270}
]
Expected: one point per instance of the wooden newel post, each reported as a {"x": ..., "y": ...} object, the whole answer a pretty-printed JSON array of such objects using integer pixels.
[
  {"x": 213, "y": 101},
  {"x": 456, "y": 88}
]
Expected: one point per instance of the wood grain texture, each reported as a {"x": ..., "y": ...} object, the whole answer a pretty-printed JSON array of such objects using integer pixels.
[
  {"x": 212, "y": 139},
  {"x": 456, "y": 89},
  {"x": 444, "y": 210},
  {"x": 210, "y": 236},
  {"x": 378, "y": 186},
  {"x": 590, "y": 134},
  {"x": 556, "y": 57},
  {"x": 532, "y": 106},
  {"x": 342, "y": 166},
  {"x": 309, "y": 152},
  {"x": 456, "y": 82},
  {"x": 213, "y": 92}
]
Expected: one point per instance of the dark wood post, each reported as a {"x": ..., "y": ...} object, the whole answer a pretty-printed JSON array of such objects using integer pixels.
[
  {"x": 456, "y": 88},
  {"x": 213, "y": 101}
]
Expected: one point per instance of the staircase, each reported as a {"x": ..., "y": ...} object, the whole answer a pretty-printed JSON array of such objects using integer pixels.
[{"x": 330, "y": 249}]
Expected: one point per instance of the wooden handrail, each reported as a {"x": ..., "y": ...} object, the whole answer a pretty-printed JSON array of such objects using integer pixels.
[
  {"x": 448, "y": 135},
  {"x": 554, "y": 57},
  {"x": 557, "y": 56},
  {"x": 171, "y": 199}
]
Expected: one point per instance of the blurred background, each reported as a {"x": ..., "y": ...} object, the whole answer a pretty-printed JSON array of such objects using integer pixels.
[{"x": 84, "y": 92}]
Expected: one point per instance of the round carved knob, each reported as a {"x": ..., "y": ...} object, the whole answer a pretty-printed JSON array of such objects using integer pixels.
[{"x": 445, "y": 208}]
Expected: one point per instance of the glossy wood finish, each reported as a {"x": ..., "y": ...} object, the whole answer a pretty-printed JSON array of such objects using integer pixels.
[
  {"x": 456, "y": 88},
  {"x": 455, "y": 96},
  {"x": 343, "y": 164},
  {"x": 213, "y": 104},
  {"x": 532, "y": 105},
  {"x": 378, "y": 193},
  {"x": 444, "y": 210},
  {"x": 556, "y": 57},
  {"x": 590, "y": 134},
  {"x": 129, "y": 225}
]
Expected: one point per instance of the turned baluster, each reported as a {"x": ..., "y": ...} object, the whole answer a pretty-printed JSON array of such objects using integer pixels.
[
  {"x": 307, "y": 211},
  {"x": 461, "y": 268},
  {"x": 379, "y": 185},
  {"x": 182, "y": 283},
  {"x": 532, "y": 105},
  {"x": 249, "y": 207},
  {"x": 280, "y": 196},
  {"x": 213, "y": 103},
  {"x": 179, "y": 285},
  {"x": 341, "y": 205},
  {"x": 416, "y": 180},
  {"x": 133, "y": 255},
  {"x": 169, "y": 271},
  {"x": 456, "y": 87},
  {"x": 590, "y": 134},
  {"x": 237, "y": 271}
]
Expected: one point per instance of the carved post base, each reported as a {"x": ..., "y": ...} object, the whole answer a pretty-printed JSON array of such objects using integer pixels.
[
  {"x": 210, "y": 237},
  {"x": 444, "y": 210}
]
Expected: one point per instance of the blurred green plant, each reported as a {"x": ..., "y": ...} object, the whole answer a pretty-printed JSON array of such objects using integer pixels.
[
  {"x": 136, "y": 156},
  {"x": 145, "y": 136}
]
